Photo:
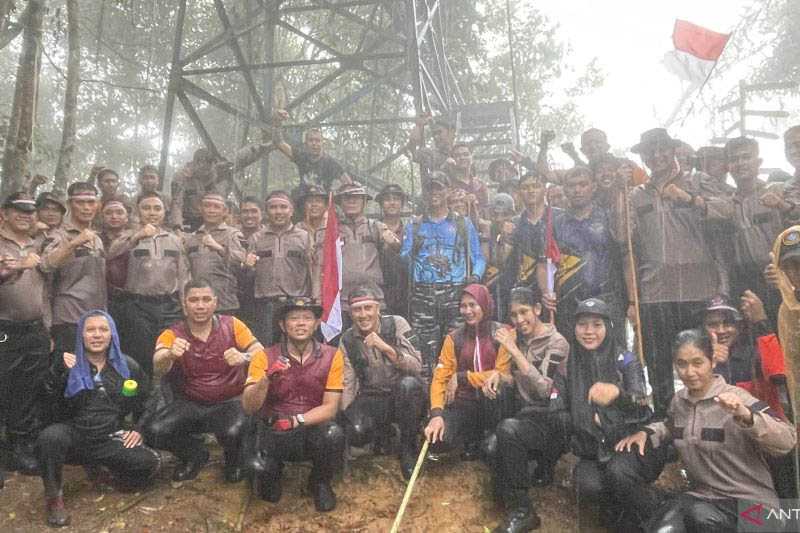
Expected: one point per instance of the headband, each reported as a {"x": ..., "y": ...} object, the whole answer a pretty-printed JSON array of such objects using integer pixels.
[
  {"x": 361, "y": 300},
  {"x": 213, "y": 198},
  {"x": 114, "y": 203},
  {"x": 279, "y": 200},
  {"x": 83, "y": 194}
]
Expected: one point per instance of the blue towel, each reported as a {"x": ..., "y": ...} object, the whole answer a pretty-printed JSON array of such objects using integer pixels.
[{"x": 80, "y": 376}]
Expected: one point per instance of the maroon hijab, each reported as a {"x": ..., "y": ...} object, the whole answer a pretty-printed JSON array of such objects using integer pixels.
[{"x": 480, "y": 334}]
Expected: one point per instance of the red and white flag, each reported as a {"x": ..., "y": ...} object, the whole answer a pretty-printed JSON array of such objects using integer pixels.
[
  {"x": 697, "y": 50},
  {"x": 551, "y": 252},
  {"x": 331, "y": 276}
]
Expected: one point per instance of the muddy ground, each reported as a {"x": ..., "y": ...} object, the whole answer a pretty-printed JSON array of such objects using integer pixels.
[{"x": 450, "y": 496}]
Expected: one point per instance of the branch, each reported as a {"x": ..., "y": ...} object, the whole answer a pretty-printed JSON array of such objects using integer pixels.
[{"x": 10, "y": 32}]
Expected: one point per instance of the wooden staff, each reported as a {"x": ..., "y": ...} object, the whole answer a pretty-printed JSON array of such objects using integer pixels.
[
  {"x": 410, "y": 487},
  {"x": 632, "y": 267}
]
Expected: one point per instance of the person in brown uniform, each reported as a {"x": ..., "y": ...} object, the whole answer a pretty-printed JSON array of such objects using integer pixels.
[
  {"x": 295, "y": 389},
  {"x": 75, "y": 258},
  {"x": 25, "y": 346},
  {"x": 251, "y": 217},
  {"x": 216, "y": 253},
  {"x": 280, "y": 255},
  {"x": 314, "y": 203},
  {"x": 791, "y": 194},
  {"x": 156, "y": 270},
  {"x": 676, "y": 269},
  {"x": 363, "y": 240},
  {"x": 205, "y": 360},
  {"x": 382, "y": 384},
  {"x": 50, "y": 210},
  {"x": 392, "y": 200}
]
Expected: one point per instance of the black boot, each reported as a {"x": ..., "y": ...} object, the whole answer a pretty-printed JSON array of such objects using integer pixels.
[
  {"x": 57, "y": 515},
  {"x": 267, "y": 481},
  {"x": 23, "y": 458},
  {"x": 521, "y": 517},
  {"x": 324, "y": 497},
  {"x": 543, "y": 474},
  {"x": 408, "y": 460},
  {"x": 189, "y": 469}
]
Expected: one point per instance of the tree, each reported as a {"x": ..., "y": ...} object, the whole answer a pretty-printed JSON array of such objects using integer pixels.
[{"x": 68, "y": 138}]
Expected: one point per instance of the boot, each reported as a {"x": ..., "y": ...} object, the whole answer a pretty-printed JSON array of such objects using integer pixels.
[
  {"x": 268, "y": 487},
  {"x": 522, "y": 516},
  {"x": 189, "y": 469},
  {"x": 23, "y": 458},
  {"x": 543, "y": 474},
  {"x": 408, "y": 460},
  {"x": 57, "y": 515},
  {"x": 324, "y": 498}
]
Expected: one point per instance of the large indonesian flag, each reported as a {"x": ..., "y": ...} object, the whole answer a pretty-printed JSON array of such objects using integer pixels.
[
  {"x": 697, "y": 50},
  {"x": 331, "y": 276}
]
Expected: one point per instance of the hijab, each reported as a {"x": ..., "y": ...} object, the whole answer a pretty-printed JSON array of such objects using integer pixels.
[
  {"x": 80, "y": 375},
  {"x": 478, "y": 346}
]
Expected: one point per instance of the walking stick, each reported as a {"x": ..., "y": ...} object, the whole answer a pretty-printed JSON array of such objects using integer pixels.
[
  {"x": 632, "y": 267},
  {"x": 410, "y": 487}
]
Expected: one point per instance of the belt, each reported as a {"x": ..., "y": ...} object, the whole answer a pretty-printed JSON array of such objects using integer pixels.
[
  {"x": 439, "y": 285},
  {"x": 20, "y": 325}
]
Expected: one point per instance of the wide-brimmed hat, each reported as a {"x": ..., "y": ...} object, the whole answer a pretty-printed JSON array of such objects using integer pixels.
[
  {"x": 653, "y": 137},
  {"x": 391, "y": 188},
  {"x": 300, "y": 302},
  {"x": 20, "y": 201},
  {"x": 45, "y": 197},
  {"x": 311, "y": 190},
  {"x": 352, "y": 189}
]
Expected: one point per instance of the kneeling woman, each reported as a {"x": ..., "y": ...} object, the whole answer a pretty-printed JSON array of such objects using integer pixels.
[
  {"x": 470, "y": 355},
  {"x": 99, "y": 386},
  {"x": 721, "y": 432}
]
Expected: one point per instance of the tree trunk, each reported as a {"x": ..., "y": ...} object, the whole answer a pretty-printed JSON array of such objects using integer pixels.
[
  {"x": 68, "y": 136},
  {"x": 23, "y": 109}
]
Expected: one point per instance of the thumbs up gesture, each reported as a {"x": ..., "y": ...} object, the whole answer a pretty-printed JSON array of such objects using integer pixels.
[{"x": 720, "y": 351}]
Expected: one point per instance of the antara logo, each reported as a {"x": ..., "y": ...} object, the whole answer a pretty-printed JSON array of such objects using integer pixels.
[{"x": 753, "y": 514}]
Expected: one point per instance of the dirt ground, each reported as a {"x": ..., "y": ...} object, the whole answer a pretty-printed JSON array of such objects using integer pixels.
[{"x": 450, "y": 496}]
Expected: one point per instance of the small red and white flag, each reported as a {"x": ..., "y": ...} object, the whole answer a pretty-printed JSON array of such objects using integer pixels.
[
  {"x": 331, "y": 276},
  {"x": 697, "y": 50},
  {"x": 551, "y": 252}
]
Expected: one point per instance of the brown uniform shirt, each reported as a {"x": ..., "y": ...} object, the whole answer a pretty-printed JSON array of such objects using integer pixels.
[
  {"x": 362, "y": 240},
  {"x": 547, "y": 354},
  {"x": 219, "y": 268},
  {"x": 23, "y": 296},
  {"x": 382, "y": 374},
  {"x": 79, "y": 285},
  {"x": 283, "y": 267},
  {"x": 157, "y": 266},
  {"x": 755, "y": 228},
  {"x": 675, "y": 261}
]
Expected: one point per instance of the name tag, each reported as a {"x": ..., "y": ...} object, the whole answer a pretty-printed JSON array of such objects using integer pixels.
[
  {"x": 141, "y": 253},
  {"x": 297, "y": 254},
  {"x": 645, "y": 209},
  {"x": 762, "y": 218},
  {"x": 192, "y": 249},
  {"x": 264, "y": 253},
  {"x": 171, "y": 253}
]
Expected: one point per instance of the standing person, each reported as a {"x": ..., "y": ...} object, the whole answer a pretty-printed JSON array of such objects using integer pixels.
[
  {"x": 442, "y": 251},
  {"x": 204, "y": 362},
  {"x": 791, "y": 147},
  {"x": 606, "y": 397},
  {"x": 216, "y": 253},
  {"x": 156, "y": 271},
  {"x": 392, "y": 200},
  {"x": 50, "y": 209},
  {"x": 280, "y": 256},
  {"x": 24, "y": 352},
  {"x": 76, "y": 260},
  {"x": 594, "y": 145},
  {"x": 438, "y": 158},
  {"x": 382, "y": 382},
  {"x": 107, "y": 183},
  {"x": 314, "y": 203},
  {"x": 115, "y": 213},
  {"x": 591, "y": 263},
  {"x": 295, "y": 390},
  {"x": 363, "y": 240},
  {"x": 149, "y": 179},
  {"x": 495, "y": 231},
  {"x": 540, "y": 424},
  {"x": 713, "y": 163},
  {"x": 97, "y": 388},
  {"x": 676, "y": 267},
  {"x": 756, "y": 220},
  {"x": 251, "y": 219},
  {"x": 470, "y": 357},
  {"x": 462, "y": 176},
  {"x": 722, "y": 434}
]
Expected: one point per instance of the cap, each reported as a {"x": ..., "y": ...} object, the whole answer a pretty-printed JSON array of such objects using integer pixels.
[
  {"x": 653, "y": 137},
  {"x": 790, "y": 246},
  {"x": 20, "y": 201},
  {"x": 593, "y": 306},
  {"x": 722, "y": 302},
  {"x": 352, "y": 189},
  {"x": 45, "y": 197},
  {"x": 311, "y": 190},
  {"x": 391, "y": 188},
  {"x": 437, "y": 178},
  {"x": 300, "y": 302},
  {"x": 502, "y": 203}
]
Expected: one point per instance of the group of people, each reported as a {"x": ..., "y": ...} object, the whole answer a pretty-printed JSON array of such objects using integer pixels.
[{"x": 492, "y": 321}]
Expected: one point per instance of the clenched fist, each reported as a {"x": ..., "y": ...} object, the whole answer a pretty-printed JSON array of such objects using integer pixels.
[
  {"x": 234, "y": 357},
  {"x": 179, "y": 347}
]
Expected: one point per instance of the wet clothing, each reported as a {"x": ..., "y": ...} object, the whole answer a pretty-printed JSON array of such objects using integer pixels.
[
  {"x": 688, "y": 513},
  {"x": 221, "y": 268},
  {"x": 474, "y": 186},
  {"x": 396, "y": 284},
  {"x": 434, "y": 313},
  {"x": 526, "y": 243},
  {"x": 323, "y": 171},
  {"x": 547, "y": 354},
  {"x": 23, "y": 294},
  {"x": 430, "y": 160}
]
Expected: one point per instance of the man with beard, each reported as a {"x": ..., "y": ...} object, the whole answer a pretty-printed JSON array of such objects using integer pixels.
[
  {"x": 205, "y": 359},
  {"x": 294, "y": 390},
  {"x": 676, "y": 269},
  {"x": 381, "y": 379},
  {"x": 216, "y": 253},
  {"x": 442, "y": 251},
  {"x": 392, "y": 200},
  {"x": 156, "y": 271},
  {"x": 280, "y": 256},
  {"x": 76, "y": 260},
  {"x": 26, "y": 344}
]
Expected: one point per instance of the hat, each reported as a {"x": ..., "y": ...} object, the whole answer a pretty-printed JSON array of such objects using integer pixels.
[
  {"x": 436, "y": 178},
  {"x": 593, "y": 306},
  {"x": 531, "y": 176},
  {"x": 391, "y": 188},
  {"x": 352, "y": 189},
  {"x": 311, "y": 190},
  {"x": 502, "y": 203},
  {"x": 790, "y": 246},
  {"x": 45, "y": 197},
  {"x": 722, "y": 302},
  {"x": 652, "y": 137},
  {"x": 20, "y": 201},
  {"x": 300, "y": 302}
]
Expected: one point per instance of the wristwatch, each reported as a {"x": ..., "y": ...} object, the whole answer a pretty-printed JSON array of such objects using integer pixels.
[{"x": 301, "y": 420}]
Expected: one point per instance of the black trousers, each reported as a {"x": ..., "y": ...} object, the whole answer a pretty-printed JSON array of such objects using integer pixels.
[
  {"x": 175, "y": 427},
  {"x": 142, "y": 319},
  {"x": 434, "y": 313},
  {"x": 264, "y": 311},
  {"x": 322, "y": 444},
  {"x": 752, "y": 278},
  {"x": 24, "y": 364},
  {"x": 542, "y": 436},
  {"x": 470, "y": 421},
  {"x": 690, "y": 514},
  {"x": 370, "y": 414},
  {"x": 61, "y": 444},
  {"x": 64, "y": 336},
  {"x": 661, "y": 322},
  {"x": 623, "y": 482}
]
